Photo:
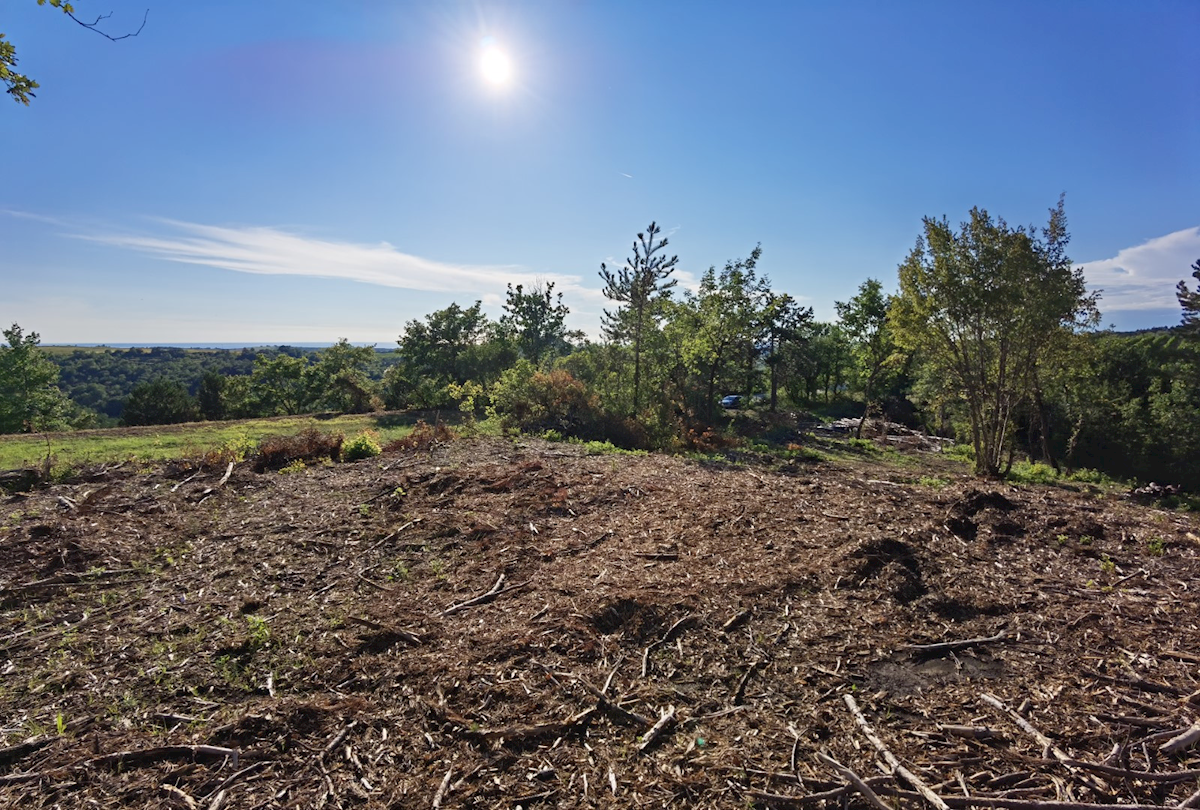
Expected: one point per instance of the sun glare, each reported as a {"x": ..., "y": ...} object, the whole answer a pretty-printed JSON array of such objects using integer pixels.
[{"x": 496, "y": 67}]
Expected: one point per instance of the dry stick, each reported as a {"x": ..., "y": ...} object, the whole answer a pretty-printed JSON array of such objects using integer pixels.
[
  {"x": 372, "y": 582},
  {"x": 178, "y": 796},
  {"x": 895, "y": 764},
  {"x": 148, "y": 756},
  {"x": 1043, "y": 741},
  {"x": 485, "y": 597},
  {"x": 184, "y": 481},
  {"x": 1192, "y": 801},
  {"x": 606, "y": 704},
  {"x": 781, "y": 800},
  {"x": 740, "y": 694},
  {"x": 1018, "y": 804},
  {"x": 337, "y": 740},
  {"x": 871, "y": 796},
  {"x": 1185, "y": 740},
  {"x": 441, "y": 793},
  {"x": 948, "y": 646},
  {"x": 242, "y": 774},
  {"x": 404, "y": 635},
  {"x": 970, "y": 732},
  {"x": 736, "y": 620},
  {"x": 1145, "y": 776},
  {"x": 541, "y": 730},
  {"x": 664, "y": 723}
]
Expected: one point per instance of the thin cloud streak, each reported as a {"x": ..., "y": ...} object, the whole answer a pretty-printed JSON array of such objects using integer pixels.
[
  {"x": 270, "y": 251},
  {"x": 1143, "y": 277}
]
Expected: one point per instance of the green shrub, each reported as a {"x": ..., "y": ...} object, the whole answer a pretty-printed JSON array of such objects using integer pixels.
[
  {"x": 535, "y": 402},
  {"x": 364, "y": 445},
  {"x": 1024, "y": 472}
]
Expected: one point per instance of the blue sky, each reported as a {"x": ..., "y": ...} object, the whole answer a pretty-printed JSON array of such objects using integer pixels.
[{"x": 304, "y": 171}]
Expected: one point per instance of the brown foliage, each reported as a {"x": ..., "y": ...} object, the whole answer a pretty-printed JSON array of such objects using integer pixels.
[
  {"x": 422, "y": 438},
  {"x": 311, "y": 444}
]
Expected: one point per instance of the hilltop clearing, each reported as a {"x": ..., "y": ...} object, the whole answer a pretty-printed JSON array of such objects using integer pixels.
[{"x": 488, "y": 623}]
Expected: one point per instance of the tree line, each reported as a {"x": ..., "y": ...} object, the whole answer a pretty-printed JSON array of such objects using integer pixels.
[{"x": 990, "y": 337}]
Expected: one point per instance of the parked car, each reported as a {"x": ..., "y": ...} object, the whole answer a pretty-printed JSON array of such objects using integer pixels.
[{"x": 732, "y": 402}]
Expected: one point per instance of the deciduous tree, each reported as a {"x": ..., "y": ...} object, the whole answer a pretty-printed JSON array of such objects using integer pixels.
[
  {"x": 160, "y": 402},
  {"x": 864, "y": 319},
  {"x": 983, "y": 304},
  {"x": 537, "y": 320}
]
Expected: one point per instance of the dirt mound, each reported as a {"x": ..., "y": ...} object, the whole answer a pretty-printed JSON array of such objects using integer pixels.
[{"x": 479, "y": 623}]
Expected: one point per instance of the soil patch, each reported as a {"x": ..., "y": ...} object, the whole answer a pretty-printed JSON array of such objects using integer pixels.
[{"x": 482, "y": 623}]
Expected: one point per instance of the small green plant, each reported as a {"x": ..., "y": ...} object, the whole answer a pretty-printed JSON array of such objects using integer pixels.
[
  {"x": 553, "y": 435},
  {"x": 364, "y": 445},
  {"x": 60, "y": 723},
  {"x": 1107, "y": 565},
  {"x": 1086, "y": 540},
  {"x": 364, "y": 510},
  {"x": 399, "y": 572},
  {"x": 438, "y": 567},
  {"x": 1156, "y": 547},
  {"x": 862, "y": 445},
  {"x": 595, "y": 448},
  {"x": 260, "y": 632},
  {"x": 1062, "y": 539},
  {"x": 933, "y": 481},
  {"x": 293, "y": 467}
]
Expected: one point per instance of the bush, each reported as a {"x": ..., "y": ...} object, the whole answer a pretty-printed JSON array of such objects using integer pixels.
[
  {"x": 536, "y": 402},
  {"x": 275, "y": 452},
  {"x": 364, "y": 445}
]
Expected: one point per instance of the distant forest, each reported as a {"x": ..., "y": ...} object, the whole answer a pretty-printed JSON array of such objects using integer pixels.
[{"x": 990, "y": 339}]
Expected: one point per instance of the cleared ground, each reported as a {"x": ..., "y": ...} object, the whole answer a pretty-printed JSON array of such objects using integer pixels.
[{"x": 658, "y": 631}]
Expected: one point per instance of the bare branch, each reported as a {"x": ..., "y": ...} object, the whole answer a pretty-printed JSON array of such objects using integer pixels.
[{"x": 92, "y": 25}]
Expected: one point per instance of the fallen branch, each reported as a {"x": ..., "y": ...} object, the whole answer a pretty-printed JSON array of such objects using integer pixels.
[
  {"x": 737, "y": 620},
  {"x": 862, "y": 787},
  {"x": 441, "y": 793},
  {"x": 606, "y": 704},
  {"x": 404, "y": 635},
  {"x": 15, "y": 753},
  {"x": 950, "y": 646},
  {"x": 216, "y": 486},
  {"x": 1185, "y": 740},
  {"x": 739, "y": 694},
  {"x": 242, "y": 774},
  {"x": 1145, "y": 776},
  {"x": 530, "y": 732},
  {"x": 970, "y": 732},
  {"x": 167, "y": 753},
  {"x": 1043, "y": 741},
  {"x": 891, "y": 759},
  {"x": 665, "y": 722},
  {"x": 496, "y": 590},
  {"x": 1017, "y": 804},
  {"x": 372, "y": 582}
]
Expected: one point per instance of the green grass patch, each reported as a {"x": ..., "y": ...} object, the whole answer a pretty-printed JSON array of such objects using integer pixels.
[
  {"x": 162, "y": 442},
  {"x": 960, "y": 452}
]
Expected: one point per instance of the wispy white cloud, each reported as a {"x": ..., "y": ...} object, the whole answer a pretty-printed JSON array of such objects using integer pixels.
[
  {"x": 1144, "y": 276},
  {"x": 273, "y": 251},
  {"x": 32, "y": 217}
]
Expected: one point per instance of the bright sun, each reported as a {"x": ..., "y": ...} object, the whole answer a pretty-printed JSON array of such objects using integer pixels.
[{"x": 496, "y": 67}]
